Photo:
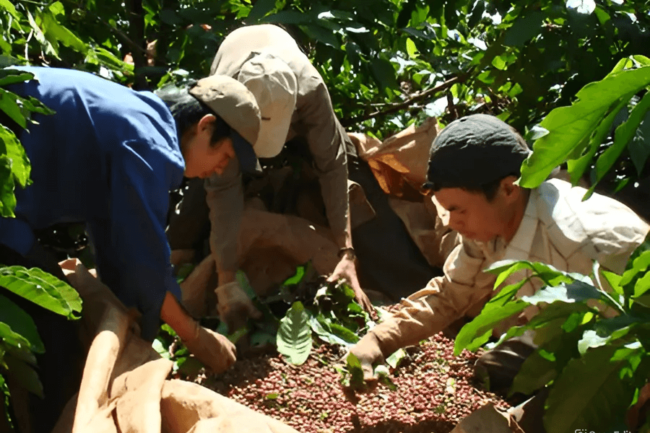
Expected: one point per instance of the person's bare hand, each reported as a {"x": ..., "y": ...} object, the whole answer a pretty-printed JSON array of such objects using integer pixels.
[{"x": 347, "y": 271}]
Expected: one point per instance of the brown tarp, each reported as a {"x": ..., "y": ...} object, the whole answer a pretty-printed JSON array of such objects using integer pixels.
[
  {"x": 124, "y": 386},
  {"x": 273, "y": 244}
]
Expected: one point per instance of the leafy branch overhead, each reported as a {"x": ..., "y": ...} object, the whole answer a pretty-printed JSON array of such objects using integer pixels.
[{"x": 616, "y": 106}]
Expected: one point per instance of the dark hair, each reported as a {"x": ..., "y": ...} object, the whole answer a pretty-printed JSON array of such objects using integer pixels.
[
  {"x": 187, "y": 111},
  {"x": 489, "y": 189}
]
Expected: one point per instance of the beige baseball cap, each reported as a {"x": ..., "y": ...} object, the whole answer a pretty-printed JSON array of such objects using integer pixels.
[
  {"x": 236, "y": 105},
  {"x": 275, "y": 88}
]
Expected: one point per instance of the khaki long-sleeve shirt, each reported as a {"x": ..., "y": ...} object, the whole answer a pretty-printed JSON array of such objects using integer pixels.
[
  {"x": 558, "y": 229},
  {"x": 313, "y": 119}
]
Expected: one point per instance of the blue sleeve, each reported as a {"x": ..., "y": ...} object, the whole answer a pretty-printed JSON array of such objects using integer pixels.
[
  {"x": 131, "y": 249},
  {"x": 17, "y": 235}
]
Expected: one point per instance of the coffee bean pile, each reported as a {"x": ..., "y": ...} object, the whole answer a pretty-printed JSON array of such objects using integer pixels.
[{"x": 434, "y": 391}]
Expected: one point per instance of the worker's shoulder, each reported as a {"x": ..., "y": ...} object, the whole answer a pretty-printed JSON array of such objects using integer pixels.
[{"x": 573, "y": 222}]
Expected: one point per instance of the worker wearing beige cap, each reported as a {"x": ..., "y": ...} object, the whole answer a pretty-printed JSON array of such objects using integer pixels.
[{"x": 294, "y": 103}]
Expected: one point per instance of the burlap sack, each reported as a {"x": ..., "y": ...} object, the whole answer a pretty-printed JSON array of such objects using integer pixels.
[
  {"x": 400, "y": 162},
  {"x": 124, "y": 386}
]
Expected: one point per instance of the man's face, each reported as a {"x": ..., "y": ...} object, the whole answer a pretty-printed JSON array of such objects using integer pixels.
[
  {"x": 202, "y": 159},
  {"x": 471, "y": 214}
]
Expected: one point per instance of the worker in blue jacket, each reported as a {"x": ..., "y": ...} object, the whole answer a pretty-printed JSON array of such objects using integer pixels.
[{"x": 108, "y": 158}]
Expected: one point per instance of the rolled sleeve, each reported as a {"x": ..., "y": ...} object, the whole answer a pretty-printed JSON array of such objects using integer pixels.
[
  {"x": 132, "y": 253},
  {"x": 445, "y": 299},
  {"x": 225, "y": 197}
]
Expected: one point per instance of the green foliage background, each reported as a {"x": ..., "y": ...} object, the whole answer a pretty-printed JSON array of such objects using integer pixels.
[{"x": 388, "y": 64}]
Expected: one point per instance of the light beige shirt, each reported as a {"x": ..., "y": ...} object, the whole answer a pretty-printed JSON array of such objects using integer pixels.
[
  {"x": 313, "y": 119},
  {"x": 558, "y": 228}
]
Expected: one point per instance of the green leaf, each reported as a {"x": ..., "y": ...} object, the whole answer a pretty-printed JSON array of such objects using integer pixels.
[
  {"x": 294, "y": 336},
  {"x": 535, "y": 373},
  {"x": 13, "y": 76},
  {"x": 548, "y": 360},
  {"x": 296, "y": 278},
  {"x": 160, "y": 348},
  {"x": 524, "y": 29},
  {"x": 556, "y": 310},
  {"x": 485, "y": 322},
  {"x": 569, "y": 126},
  {"x": 500, "y": 63},
  {"x": 241, "y": 278},
  {"x": 235, "y": 336},
  {"x": 642, "y": 285},
  {"x": 261, "y": 8},
  {"x": 168, "y": 16},
  {"x": 50, "y": 49},
  {"x": 21, "y": 323},
  {"x": 396, "y": 358},
  {"x": 506, "y": 294},
  {"x": 613, "y": 280},
  {"x": 54, "y": 31},
  {"x": 261, "y": 338},
  {"x": 383, "y": 73},
  {"x": 25, "y": 375},
  {"x": 13, "y": 339},
  {"x": 624, "y": 134},
  {"x": 9, "y": 105},
  {"x": 9, "y": 7},
  {"x": 57, "y": 8},
  {"x": 639, "y": 264},
  {"x": 639, "y": 147},
  {"x": 577, "y": 167},
  {"x": 477, "y": 13},
  {"x": 354, "y": 368},
  {"x": 20, "y": 166},
  {"x": 7, "y": 197},
  {"x": 189, "y": 366},
  {"x": 547, "y": 273},
  {"x": 381, "y": 372},
  {"x": 184, "y": 271},
  {"x": 41, "y": 288},
  {"x": 332, "y": 332},
  {"x": 34, "y": 105},
  {"x": 287, "y": 17},
  {"x": 591, "y": 339},
  {"x": 589, "y": 393},
  {"x": 322, "y": 35},
  {"x": 574, "y": 292},
  {"x": 411, "y": 49}
]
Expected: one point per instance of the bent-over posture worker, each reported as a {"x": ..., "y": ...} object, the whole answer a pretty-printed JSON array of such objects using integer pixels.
[
  {"x": 473, "y": 165},
  {"x": 296, "y": 110},
  {"x": 108, "y": 158}
]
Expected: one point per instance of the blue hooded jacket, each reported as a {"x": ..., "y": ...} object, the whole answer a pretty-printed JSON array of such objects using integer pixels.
[{"x": 107, "y": 158}]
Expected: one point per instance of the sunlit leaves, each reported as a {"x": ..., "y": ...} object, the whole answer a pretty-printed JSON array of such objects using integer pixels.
[
  {"x": 569, "y": 127},
  {"x": 41, "y": 288}
]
